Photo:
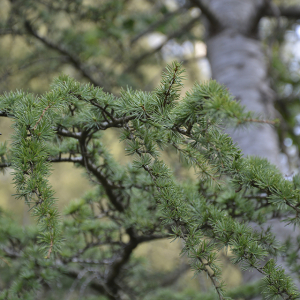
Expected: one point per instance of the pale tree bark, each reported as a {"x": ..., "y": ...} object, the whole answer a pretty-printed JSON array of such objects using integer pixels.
[{"x": 237, "y": 60}]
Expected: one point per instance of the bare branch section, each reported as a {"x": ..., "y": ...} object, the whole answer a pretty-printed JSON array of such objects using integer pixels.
[
  {"x": 39, "y": 120},
  {"x": 4, "y": 165},
  {"x": 66, "y": 159},
  {"x": 160, "y": 22},
  {"x": 173, "y": 35},
  {"x": 3, "y": 114},
  {"x": 207, "y": 12},
  {"x": 72, "y": 57},
  {"x": 11, "y": 71},
  {"x": 290, "y": 12}
]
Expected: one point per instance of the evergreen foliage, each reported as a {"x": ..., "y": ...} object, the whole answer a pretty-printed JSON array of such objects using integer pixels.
[{"x": 141, "y": 201}]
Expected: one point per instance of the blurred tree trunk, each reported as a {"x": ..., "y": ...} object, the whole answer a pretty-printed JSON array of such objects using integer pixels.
[{"x": 237, "y": 60}]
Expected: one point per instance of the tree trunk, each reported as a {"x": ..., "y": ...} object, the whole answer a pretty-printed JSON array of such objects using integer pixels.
[{"x": 237, "y": 61}]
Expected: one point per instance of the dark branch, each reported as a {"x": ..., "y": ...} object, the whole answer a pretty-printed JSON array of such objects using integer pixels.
[
  {"x": 11, "y": 253},
  {"x": 290, "y": 12},
  {"x": 124, "y": 257},
  {"x": 162, "y": 21},
  {"x": 76, "y": 256},
  {"x": 115, "y": 122},
  {"x": 54, "y": 159},
  {"x": 107, "y": 184},
  {"x": 3, "y": 114},
  {"x": 4, "y": 165},
  {"x": 66, "y": 133},
  {"x": 66, "y": 159},
  {"x": 71, "y": 56},
  {"x": 173, "y": 35},
  {"x": 207, "y": 12}
]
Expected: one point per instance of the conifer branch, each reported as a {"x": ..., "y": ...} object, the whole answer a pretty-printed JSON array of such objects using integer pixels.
[
  {"x": 114, "y": 122},
  {"x": 167, "y": 94},
  {"x": 200, "y": 215},
  {"x": 182, "y": 223}
]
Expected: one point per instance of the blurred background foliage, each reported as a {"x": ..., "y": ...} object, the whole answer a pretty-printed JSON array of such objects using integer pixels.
[{"x": 119, "y": 43}]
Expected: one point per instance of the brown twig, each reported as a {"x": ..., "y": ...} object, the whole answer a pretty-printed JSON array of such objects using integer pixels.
[
  {"x": 261, "y": 121},
  {"x": 50, "y": 249},
  {"x": 39, "y": 120},
  {"x": 3, "y": 259}
]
